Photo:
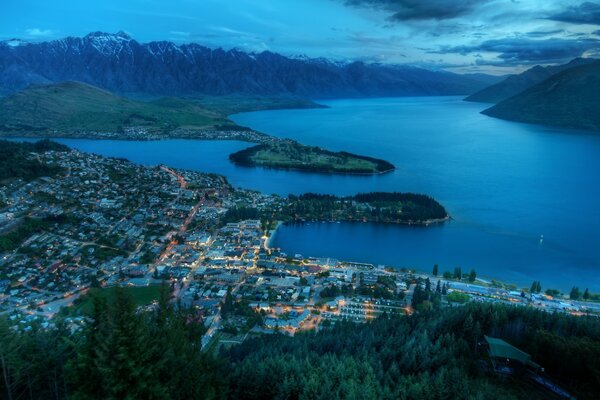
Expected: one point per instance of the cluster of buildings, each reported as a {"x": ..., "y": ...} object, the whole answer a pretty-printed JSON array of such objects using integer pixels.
[
  {"x": 102, "y": 221},
  {"x": 106, "y": 221}
]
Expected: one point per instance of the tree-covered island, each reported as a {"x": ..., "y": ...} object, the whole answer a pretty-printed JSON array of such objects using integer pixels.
[{"x": 293, "y": 155}]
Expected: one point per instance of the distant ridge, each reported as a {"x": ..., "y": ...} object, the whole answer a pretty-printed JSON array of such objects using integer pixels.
[
  {"x": 515, "y": 84},
  {"x": 570, "y": 99},
  {"x": 118, "y": 63}
]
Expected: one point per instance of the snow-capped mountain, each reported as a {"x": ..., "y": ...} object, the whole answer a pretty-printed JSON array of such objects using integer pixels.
[{"x": 118, "y": 63}]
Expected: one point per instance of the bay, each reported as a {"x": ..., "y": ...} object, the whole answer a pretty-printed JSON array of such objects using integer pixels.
[{"x": 505, "y": 185}]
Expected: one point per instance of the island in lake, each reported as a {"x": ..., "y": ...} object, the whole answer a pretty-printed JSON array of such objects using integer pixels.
[
  {"x": 293, "y": 155},
  {"x": 79, "y": 110}
]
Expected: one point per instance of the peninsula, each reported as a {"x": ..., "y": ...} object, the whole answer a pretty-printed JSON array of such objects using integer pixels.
[{"x": 379, "y": 207}]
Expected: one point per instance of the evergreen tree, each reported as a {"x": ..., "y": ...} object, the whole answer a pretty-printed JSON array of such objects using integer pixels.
[
  {"x": 586, "y": 294},
  {"x": 575, "y": 293},
  {"x": 8, "y": 348},
  {"x": 458, "y": 273},
  {"x": 472, "y": 276},
  {"x": 536, "y": 287},
  {"x": 228, "y": 305},
  {"x": 435, "y": 270},
  {"x": 85, "y": 373}
]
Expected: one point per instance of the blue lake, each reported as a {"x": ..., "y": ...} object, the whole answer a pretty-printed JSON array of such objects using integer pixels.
[{"x": 505, "y": 184}]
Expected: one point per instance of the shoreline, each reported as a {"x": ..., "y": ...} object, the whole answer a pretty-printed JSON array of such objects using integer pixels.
[
  {"x": 306, "y": 170},
  {"x": 263, "y": 140},
  {"x": 137, "y": 139},
  {"x": 272, "y": 232},
  {"x": 425, "y": 223}
]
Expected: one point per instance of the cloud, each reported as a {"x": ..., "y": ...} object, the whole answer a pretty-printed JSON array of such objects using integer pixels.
[
  {"x": 585, "y": 13},
  {"x": 405, "y": 10},
  {"x": 37, "y": 32},
  {"x": 523, "y": 51},
  {"x": 545, "y": 33}
]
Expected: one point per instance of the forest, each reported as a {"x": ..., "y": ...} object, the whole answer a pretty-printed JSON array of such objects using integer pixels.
[
  {"x": 16, "y": 163},
  {"x": 28, "y": 226},
  {"x": 385, "y": 207},
  {"x": 436, "y": 353}
]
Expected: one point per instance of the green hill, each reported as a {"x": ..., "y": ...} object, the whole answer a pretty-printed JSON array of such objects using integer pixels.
[
  {"x": 516, "y": 84},
  {"x": 568, "y": 99},
  {"x": 73, "y": 108}
]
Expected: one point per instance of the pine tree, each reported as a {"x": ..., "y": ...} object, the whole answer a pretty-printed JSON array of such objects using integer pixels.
[
  {"x": 472, "y": 276},
  {"x": 435, "y": 270},
  {"x": 575, "y": 293},
  {"x": 86, "y": 376},
  {"x": 458, "y": 273},
  {"x": 418, "y": 295},
  {"x": 7, "y": 348},
  {"x": 586, "y": 294},
  {"x": 536, "y": 287}
]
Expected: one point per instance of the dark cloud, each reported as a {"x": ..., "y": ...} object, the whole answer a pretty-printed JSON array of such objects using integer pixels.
[
  {"x": 404, "y": 10},
  {"x": 521, "y": 51},
  {"x": 585, "y": 13},
  {"x": 545, "y": 33}
]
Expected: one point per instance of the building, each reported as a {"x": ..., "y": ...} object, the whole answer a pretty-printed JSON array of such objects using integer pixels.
[{"x": 506, "y": 358}]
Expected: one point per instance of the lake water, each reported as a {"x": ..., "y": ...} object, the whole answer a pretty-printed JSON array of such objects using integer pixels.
[{"x": 505, "y": 184}]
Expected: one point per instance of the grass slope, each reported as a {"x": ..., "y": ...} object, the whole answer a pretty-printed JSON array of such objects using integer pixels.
[
  {"x": 141, "y": 296},
  {"x": 568, "y": 99},
  {"x": 293, "y": 155},
  {"x": 73, "y": 107}
]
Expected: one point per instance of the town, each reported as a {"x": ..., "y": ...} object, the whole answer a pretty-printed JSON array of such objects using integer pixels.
[{"x": 105, "y": 222}]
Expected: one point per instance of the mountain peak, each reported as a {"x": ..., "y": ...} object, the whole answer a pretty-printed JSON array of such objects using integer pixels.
[
  {"x": 119, "y": 36},
  {"x": 14, "y": 42}
]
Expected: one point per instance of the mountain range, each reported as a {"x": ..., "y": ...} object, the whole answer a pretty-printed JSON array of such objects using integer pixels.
[
  {"x": 120, "y": 64},
  {"x": 570, "y": 98},
  {"x": 516, "y": 84}
]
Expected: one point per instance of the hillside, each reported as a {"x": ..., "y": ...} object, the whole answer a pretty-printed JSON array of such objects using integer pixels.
[
  {"x": 120, "y": 64},
  {"x": 75, "y": 108},
  {"x": 568, "y": 99},
  {"x": 15, "y": 160},
  {"x": 515, "y": 84},
  {"x": 435, "y": 354}
]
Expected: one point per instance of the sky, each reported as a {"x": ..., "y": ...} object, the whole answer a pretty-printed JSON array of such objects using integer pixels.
[{"x": 492, "y": 36}]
